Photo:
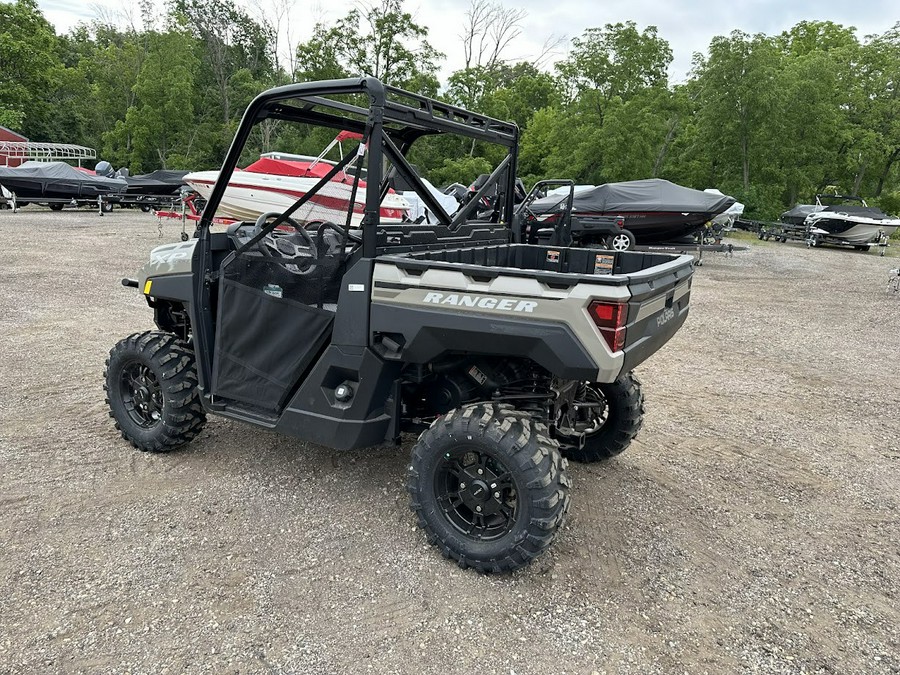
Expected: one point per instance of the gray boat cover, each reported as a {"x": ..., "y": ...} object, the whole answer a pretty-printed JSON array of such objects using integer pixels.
[
  {"x": 169, "y": 176},
  {"x": 50, "y": 171},
  {"x": 161, "y": 181},
  {"x": 651, "y": 194}
]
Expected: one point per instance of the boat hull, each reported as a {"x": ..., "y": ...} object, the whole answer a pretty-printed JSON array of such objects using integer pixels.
[{"x": 35, "y": 190}]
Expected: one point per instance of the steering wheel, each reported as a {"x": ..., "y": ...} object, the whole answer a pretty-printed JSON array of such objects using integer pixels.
[
  {"x": 320, "y": 226},
  {"x": 286, "y": 246}
]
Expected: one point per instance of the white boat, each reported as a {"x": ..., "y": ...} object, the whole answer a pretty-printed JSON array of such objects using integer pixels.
[
  {"x": 267, "y": 185},
  {"x": 851, "y": 224},
  {"x": 856, "y": 224},
  {"x": 277, "y": 180},
  {"x": 727, "y": 217}
]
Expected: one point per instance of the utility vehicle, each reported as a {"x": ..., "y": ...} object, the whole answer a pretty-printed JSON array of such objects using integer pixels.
[
  {"x": 507, "y": 357},
  {"x": 553, "y": 222}
]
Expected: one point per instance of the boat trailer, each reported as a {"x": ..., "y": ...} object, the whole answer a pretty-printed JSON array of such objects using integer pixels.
[{"x": 767, "y": 230}]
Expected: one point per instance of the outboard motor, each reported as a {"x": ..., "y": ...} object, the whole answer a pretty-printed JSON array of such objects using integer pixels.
[{"x": 104, "y": 169}]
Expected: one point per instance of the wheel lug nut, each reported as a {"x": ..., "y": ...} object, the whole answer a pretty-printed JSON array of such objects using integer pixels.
[
  {"x": 496, "y": 495},
  {"x": 462, "y": 486},
  {"x": 480, "y": 471},
  {"x": 478, "y": 508}
]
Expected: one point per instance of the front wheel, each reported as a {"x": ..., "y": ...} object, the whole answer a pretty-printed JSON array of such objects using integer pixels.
[
  {"x": 605, "y": 419},
  {"x": 489, "y": 487},
  {"x": 151, "y": 390}
]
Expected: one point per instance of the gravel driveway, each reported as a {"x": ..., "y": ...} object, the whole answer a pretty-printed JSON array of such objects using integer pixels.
[{"x": 752, "y": 527}]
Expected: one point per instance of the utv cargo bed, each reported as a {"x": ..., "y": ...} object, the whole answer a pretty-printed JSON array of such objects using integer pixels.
[{"x": 430, "y": 303}]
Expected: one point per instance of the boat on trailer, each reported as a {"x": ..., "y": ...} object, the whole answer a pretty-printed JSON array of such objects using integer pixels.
[
  {"x": 653, "y": 209},
  {"x": 852, "y": 222},
  {"x": 56, "y": 184}
]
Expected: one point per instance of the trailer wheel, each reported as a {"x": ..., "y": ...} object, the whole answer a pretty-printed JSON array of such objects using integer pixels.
[
  {"x": 56, "y": 207},
  {"x": 145, "y": 208},
  {"x": 107, "y": 207},
  {"x": 151, "y": 390},
  {"x": 608, "y": 423},
  {"x": 760, "y": 235},
  {"x": 489, "y": 487},
  {"x": 621, "y": 241}
]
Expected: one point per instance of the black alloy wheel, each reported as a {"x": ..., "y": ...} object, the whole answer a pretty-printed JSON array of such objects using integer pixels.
[
  {"x": 141, "y": 394},
  {"x": 477, "y": 493}
]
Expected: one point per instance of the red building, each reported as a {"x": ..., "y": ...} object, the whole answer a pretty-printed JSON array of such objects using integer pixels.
[{"x": 9, "y": 135}]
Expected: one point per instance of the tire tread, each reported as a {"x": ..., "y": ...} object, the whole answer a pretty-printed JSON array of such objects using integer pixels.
[{"x": 183, "y": 415}]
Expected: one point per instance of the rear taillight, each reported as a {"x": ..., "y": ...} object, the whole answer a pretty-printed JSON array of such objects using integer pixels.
[
  {"x": 610, "y": 318},
  {"x": 620, "y": 221}
]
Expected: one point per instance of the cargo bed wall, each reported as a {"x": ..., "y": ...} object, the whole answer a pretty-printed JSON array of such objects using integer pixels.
[{"x": 593, "y": 262}]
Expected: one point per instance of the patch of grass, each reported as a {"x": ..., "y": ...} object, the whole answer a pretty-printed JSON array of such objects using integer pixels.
[{"x": 748, "y": 237}]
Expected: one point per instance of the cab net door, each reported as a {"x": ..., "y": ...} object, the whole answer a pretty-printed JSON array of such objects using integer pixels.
[{"x": 277, "y": 299}]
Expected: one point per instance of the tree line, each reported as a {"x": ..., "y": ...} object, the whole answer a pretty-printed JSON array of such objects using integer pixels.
[{"x": 770, "y": 120}]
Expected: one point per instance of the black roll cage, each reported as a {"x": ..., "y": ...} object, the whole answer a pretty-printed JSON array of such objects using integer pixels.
[{"x": 392, "y": 122}]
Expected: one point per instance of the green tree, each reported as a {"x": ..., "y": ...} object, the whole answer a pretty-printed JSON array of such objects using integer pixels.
[
  {"x": 616, "y": 60},
  {"x": 28, "y": 59},
  {"x": 236, "y": 54},
  {"x": 379, "y": 40},
  {"x": 617, "y": 73},
  {"x": 872, "y": 113},
  {"x": 738, "y": 103},
  {"x": 159, "y": 126}
]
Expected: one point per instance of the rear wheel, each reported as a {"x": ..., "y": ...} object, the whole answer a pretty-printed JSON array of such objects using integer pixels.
[
  {"x": 151, "y": 390},
  {"x": 489, "y": 487},
  {"x": 56, "y": 207},
  {"x": 608, "y": 419}
]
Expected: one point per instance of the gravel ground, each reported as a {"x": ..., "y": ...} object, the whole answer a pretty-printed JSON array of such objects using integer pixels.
[{"x": 752, "y": 527}]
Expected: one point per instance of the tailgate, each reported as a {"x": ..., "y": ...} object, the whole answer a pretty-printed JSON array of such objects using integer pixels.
[{"x": 658, "y": 307}]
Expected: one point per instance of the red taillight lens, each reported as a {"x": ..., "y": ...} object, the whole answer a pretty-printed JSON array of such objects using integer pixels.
[
  {"x": 608, "y": 314},
  {"x": 610, "y": 318}
]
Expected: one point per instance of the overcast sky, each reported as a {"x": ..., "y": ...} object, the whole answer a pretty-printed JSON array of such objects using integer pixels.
[{"x": 688, "y": 26}]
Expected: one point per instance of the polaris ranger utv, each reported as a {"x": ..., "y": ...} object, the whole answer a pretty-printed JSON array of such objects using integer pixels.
[{"x": 507, "y": 357}]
